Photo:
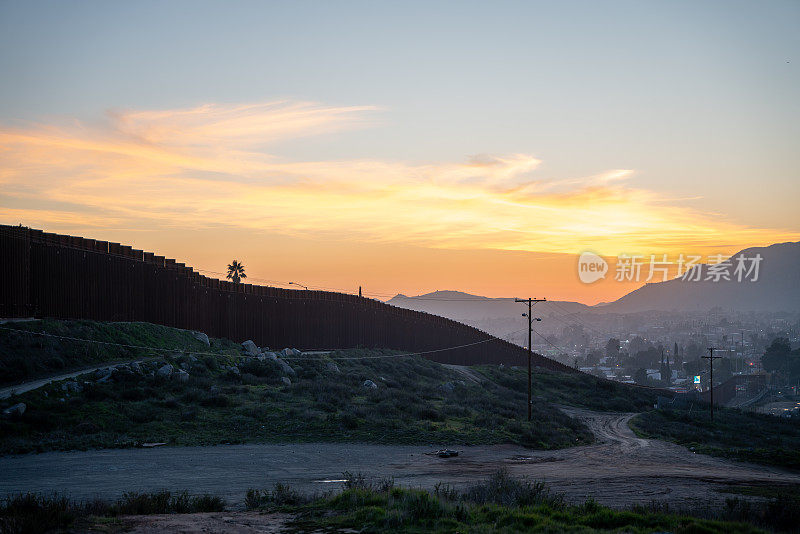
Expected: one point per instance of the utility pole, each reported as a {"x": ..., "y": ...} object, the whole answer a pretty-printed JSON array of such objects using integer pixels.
[
  {"x": 530, "y": 302},
  {"x": 711, "y": 359}
]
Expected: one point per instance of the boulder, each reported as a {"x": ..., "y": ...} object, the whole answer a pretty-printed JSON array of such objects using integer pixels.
[
  {"x": 136, "y": 368},
  {"x": 165, "y": 371},
  {"x": 102, "y": 374},
  {"x": 447, "y": 387},
  {"x": 286, "y": 368},
  {"x": 106, "y": 377},
  {"x": 286, "y": 380},
  {"x": 332, "y": 367},
  {"x": 17, "y": 409},
  {"x": 73, "y": 386},
  {"x": 250, "y": 348},
  {"x": 369, "y": 384},
  {"x": 291, "y": 352},
  {"x": 181, "y": 376},
  {"x": 266, "y": 355},
  {"x": 202, "y": 338}
]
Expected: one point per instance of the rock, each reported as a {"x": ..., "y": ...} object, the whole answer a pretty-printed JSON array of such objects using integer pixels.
[
  {"x": 286, "y": 368},
  {"x": 184, "y": 366},
  {"x": 448, "y": 387},
  {"x": 73, "y": 386},
  {"x": 106, "y": 377},
  {"x": 103, "y": 375},
  {"x": 250, "y": 348},
  {"x": 136, "y": 368},
  {"x": 369, "y": 384},
  {"x": 291, "y": 352},
  {"x": 181, "y": 376},
  {"x": 286, "y": 380},
  {"x": 332, "y": 367},
  {"x": 233, "y": 369},
  {"x": 193, "y": 358},
  {"x": 17, "y": 409},
  {"x": 201, "y": 337},
  {"x": 165, "y": 371},
  {"x": 266, "y": 355}
]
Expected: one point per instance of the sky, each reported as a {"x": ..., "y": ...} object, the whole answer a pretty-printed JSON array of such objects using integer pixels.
[{"x": 405, "y": 147}]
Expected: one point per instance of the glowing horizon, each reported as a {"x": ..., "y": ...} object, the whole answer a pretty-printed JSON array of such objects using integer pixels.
[{"x": 206, "y": 167}]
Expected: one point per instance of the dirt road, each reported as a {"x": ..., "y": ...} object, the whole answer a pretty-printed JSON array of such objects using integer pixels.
[
  {"x": 18, "y": 389},
  {"x": 619, "y": 470}
]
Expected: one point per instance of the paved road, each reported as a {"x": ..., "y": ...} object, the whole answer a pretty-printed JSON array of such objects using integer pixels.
[{"x": 619, "y": 470}]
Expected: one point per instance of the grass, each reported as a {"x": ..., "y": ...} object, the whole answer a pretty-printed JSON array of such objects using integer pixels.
[
  {"x": 29, "y": 513},
  {"x": 733, "y": 434},
  {"x": 417, "y": 401},
  {"x": 573, "y": 389},
  {"x": 25, "y": 355},
  {"x": 499, "y": 504}
]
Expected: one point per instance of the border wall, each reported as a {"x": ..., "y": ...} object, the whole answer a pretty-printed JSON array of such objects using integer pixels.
[{"x": 67, "y": 277}]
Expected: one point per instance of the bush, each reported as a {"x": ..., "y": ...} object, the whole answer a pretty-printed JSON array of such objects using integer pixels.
[{"x": 502, "y": 488}]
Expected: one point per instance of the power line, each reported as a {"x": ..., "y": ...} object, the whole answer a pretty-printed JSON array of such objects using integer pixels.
[{"x": 145, "y": 347}]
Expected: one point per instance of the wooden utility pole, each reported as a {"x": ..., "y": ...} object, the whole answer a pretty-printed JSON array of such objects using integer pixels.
[
  {"x": 711, "y": 359},
  {"x": 530, "y": 302}
]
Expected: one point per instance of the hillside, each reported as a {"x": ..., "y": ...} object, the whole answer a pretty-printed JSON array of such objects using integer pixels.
[
  {"x": 777, "y": 288},
  {"x": 223, "y": 394},
  {"x": 497, "y": 316}
]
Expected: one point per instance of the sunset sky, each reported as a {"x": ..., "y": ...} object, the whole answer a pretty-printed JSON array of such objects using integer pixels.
[{"x": 405, "y": 147}]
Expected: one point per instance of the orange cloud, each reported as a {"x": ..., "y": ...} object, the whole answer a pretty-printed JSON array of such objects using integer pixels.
[{"x": 209, "y": 166}]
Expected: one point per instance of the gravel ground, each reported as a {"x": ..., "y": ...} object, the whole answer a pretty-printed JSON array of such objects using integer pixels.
[{"x": 619, "y": 470}]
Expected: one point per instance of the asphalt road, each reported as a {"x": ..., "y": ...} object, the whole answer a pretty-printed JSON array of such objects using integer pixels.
[{"x": 619, "y": 470}]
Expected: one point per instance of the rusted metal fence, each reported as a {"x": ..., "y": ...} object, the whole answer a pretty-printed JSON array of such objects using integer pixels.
[{"x": 67, "y": 277}]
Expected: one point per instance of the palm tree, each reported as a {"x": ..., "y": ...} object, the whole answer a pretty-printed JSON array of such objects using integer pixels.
[{"x": 236, "y": 272}]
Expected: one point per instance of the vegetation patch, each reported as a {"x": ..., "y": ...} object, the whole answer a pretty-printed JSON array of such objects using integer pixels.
[
  {"x": 35, "y": 349},
  {"x": 220, "y": 394},
  {"x": 500, "y": 504},
  {"x": 732, "y": 434},
  {"x": 28, "y": 513}
]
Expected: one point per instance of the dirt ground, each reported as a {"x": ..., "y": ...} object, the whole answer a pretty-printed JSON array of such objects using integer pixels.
[
  {"x": 227, "y": 522},
  {"x": 619, "y": 470}
]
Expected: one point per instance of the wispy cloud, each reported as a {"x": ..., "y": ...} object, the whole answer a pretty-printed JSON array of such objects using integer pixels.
[{"x": 212, "y": 165}]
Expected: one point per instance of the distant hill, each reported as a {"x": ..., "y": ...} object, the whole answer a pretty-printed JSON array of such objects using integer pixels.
[
  {"x": 777, "y": 288},
  {"x": 473, "y": 309}
]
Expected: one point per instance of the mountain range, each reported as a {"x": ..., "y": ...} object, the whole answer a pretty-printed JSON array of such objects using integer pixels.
[{"x": 775, "y": 289}]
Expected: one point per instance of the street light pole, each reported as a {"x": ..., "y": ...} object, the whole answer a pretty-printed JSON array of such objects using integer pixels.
[{"x": 530, "y": 302}]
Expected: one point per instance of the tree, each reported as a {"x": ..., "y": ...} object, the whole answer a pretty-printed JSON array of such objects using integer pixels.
[
  {"x": 640, "y": 377},
  {"x": 612, "y": 348},
  {"x": 779, "y": 357},
  {"x": 236, "y": 272}
]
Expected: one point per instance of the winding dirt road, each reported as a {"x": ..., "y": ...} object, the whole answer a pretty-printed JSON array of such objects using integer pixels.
[{"x": 619, "y": 470}]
